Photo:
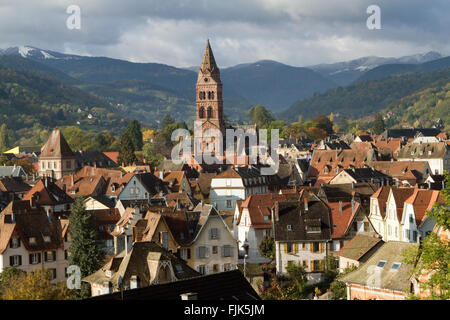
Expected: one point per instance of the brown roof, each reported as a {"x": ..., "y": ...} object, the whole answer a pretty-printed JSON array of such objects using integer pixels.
[
  {"x": 259, "y": 206},
  {"x": 49, "y": 194},
  {"x": 56, "y": 146},
  {"x": 229, "y": 173},
  {"x": 13, "y": 185},
  {"x": 359, "y": 246},
  {"x": 340, "y": 220},
  {"x": 82, "y": 186},
  {"x": 172, "y": 177},
  {"x": 431, "y": 150},
  {"x": 402, "y": 169},
  {"x": 422, "y": 200},
  {"x": 113, "y": 155}
]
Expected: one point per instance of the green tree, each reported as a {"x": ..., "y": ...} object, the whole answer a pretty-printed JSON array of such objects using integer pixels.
[
  {"x": 260, "y": 116},
  {"x": 324, "y": 123},
  {"x": 84, "y": 250},
  {"x": 267, "y": 247},
  {"x": 433, "y": 256},
  {"x": 4, "y": 138},
  {"x": 126, "y": 151},
  {"x": 166, "y": 121},
  {"x": 378, "y": 125},
  {"x": 134, "y": 131},
  {"x": 151, "y": 156}
]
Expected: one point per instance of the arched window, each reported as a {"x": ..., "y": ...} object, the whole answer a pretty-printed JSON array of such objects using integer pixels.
[
  {"x": 209, "y": 113},
  {"x": 209, "y": 95},
  {"x": 203, "y": 95},
  {"x": 201, "y": 113},
  {"x": 212, "y": 95}
]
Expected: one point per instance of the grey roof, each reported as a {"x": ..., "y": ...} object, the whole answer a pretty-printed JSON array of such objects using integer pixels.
[
  {"x": 390, "y": 252},
  {"x": 230, "y": 285},
  {"x": 410, "y": 133},
  {"x": 365, "y": 173},
  {"x": 12, "y": 171},
  {"x": 429, "y": 150},
  {"x": 294, "y": 214}
]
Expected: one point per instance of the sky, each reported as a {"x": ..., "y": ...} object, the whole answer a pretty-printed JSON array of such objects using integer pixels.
[{"x": 295, "y": 32}]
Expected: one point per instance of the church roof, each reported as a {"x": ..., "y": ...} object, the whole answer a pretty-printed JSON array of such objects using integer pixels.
[
  {"x": 208, "y": 61},
  {"x": 56, "y": 146}
]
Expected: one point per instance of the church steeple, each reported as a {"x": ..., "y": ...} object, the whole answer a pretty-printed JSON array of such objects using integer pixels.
[{"x": 208, "y": 61}]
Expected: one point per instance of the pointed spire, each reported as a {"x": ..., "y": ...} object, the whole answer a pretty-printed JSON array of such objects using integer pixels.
[
  {"x": 56, "y": 146},
  {"x": 208, "y": 61}
]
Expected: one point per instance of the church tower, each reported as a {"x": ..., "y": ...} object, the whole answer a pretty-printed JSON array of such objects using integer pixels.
[{"x": 209, "y": 104}]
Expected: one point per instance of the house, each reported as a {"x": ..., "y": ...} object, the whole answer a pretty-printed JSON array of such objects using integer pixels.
[
  {"x": 410, "y": 133},
  {"x": 357, "y": 251},
  {"x": 325, "y": 164},
  {"x": 384, "y": 276},
  {"x": 175, "y": 180},
  {"x": 94, "y": 158},
  {"x": 404, "y": 173},
  {"x": 356, "y": 175},
  {"x": 142, "y": 186},
  {"x": 360, "y": 192},
  {"x": 212, "y": 247},
  {"x": 435, "y": 181},
  {"x": 105, "y": 221},
  {"x": 181, "y": 200},
  {"x": 47, "y": 195},
  {"x": 236, "y": 184},
  {"x": 98, "y": 203},
  {"x": 82, "y": 186},
  {"x": 201, "y": 187},
  {"x": 32, "y": 239},
  {"x": 123, "y": 229},
  {"x": 437, "y": 154},
  {"x": 386, "y": 211},
  {"x": 56, "y": 158},
  {"x": 387, "y": 148},
  {"x": 12, "y": 171},
  {"x": 302, "y": 230},
  {"x": 146, "y": 264},
  {"x": 415, "y": 223},
  {"x": 253, "y": 221},
  {"x": 12, "y": 189},
  {"x": 230, "y": 286}
]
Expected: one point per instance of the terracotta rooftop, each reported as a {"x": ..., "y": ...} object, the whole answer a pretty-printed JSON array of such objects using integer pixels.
[{"x": 56, "y": 146}]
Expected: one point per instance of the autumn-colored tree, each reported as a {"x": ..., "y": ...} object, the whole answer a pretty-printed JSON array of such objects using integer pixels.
[
  {"x": 316, "y": 133},
  {"x": 36, "y": 285},
  {"x": 148, "y": 134},
  {"x": 26, "y": 164},
  {"x": 267, "y": 248}
]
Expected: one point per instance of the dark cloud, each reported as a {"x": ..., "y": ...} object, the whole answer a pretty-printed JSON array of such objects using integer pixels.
[{"x": 297, "y": 32}]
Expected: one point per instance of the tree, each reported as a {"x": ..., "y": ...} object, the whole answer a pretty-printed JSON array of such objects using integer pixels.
[
  {"x": 151, "y": 156},
  {"x": 84, "y": 250},
  {"x": 339, "y": 288},
  {"x": 267, "y": 247},
  {"x": 166, "y": 121},
  {"x": 4, "y": 138},
  {"x": 324, "y": 123},
  {"x": 260, "y": 116},
  {"x": 36, "y": 285},
  {"x": 378, "y": 125},
  {"x": 433, "y": 256},
  {"x": 316, "y": 133},
  {"x": 134, "y": 131},
  {"x": 126, "y": 151}
]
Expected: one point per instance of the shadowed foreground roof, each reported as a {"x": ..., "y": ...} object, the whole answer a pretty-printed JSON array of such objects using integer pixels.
[{"x": 230, "y": 285}]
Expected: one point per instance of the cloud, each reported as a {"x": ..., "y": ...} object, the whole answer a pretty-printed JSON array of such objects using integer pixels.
[{"x": 297, "y": 32}]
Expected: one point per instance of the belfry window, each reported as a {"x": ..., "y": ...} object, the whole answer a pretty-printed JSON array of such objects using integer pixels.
[
  {"x": 201, "y": 113},
  {"x": 209, "y": 113}
]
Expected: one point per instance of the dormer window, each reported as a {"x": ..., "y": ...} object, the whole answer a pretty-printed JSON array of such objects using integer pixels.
[
  {"x": 15, "y": 243},
  {"x": 47, "y": 239},
  {"x": 289, "y": 227},
  {"x": 32, "y": 240}
]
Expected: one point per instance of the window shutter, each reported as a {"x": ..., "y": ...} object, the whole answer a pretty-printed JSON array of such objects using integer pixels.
[
  {"x": 10, "y": 243},
  {"x": 197, "y": 252},
  {"x": 321, "y": 247},
  {"x": 209, "y": 234},
  {"x": 30, "y": 256},
  {"x": 222, "y": 267},
  {"x": 285, "y": 247},
  {"x": 54, "y": 255},
  {"x": 18, "y": 242},
  {"x": 20, "y": 260},
  {"x": 311, "y": 263},
  {"x": 222, "y": 248},
  {"x": 45, "y": 256},
  {"x": 188, "y": 253},
  {"x": 206, "y": 252},
  {"x": 311, "y": 246},
  {"x": 295, "y": 247},
  {"x": 206, "y": 269},
  {"x": 218, "y": 233},
  {"x": 39, "y": 258},
  {"x": 11, "y": 260}
]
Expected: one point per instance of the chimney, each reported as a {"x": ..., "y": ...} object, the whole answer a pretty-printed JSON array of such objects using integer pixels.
[
  {"x": 305, "y": 201},
  {"x": 340, "y": 206},
  {"x": 71, "y": 180},
  {"x": 134, "y": 282},
  {"x": 45, "y": 181},
  {"x": 189, "y": 296},
  {"x": 353, "y": 185},
  {"x": 49, "y": 214},
  {"x": 161, "y": 174}
]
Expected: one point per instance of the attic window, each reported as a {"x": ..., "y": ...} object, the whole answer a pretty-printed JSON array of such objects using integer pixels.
[
  {"x": 381, "y": 264},
  {"x": 395, "y": 266},
  {"x": 46, "y": 239},
  {"x": 289, "y": 227},
  {"x": 266, "y": 218},
  {"x": 179, "y": 268},
  {"x": 32, "y": 240}
]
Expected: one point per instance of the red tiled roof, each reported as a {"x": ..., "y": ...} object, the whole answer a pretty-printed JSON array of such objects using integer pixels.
[
  {"x": 259, "y": 206},
  {"x": 340, "y": 220},
  {"x": 56, "y": 146},
  {"x": 113, "y": 155}
]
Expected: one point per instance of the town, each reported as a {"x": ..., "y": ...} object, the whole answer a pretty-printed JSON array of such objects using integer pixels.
[{"x": 358, "y": 216}]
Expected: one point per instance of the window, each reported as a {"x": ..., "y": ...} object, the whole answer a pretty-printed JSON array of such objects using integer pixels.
[
  {"x": 66, "y": 254},
  {"x": 381, "y": 264},
  {"x": 53, "y": 273},
  {"x": 164, "y": 240},
  {"x": 228, "y": 182},
  {"x": 47, "y": 239},
  {"x": 316, "y": 246},
  {"x": 15, "y": 243},
  {"x": 214, "y": 250},
  {"x": 289, "y": 227},
  {"x": 201, "y": 269},
  {"x": 227, "y": 251},
  {"x": 32, "y": 240},
  {"x": 366, "y": 227},
  {"x": 35, "y": 258},
  {"x": 266, "y": 218},
  {"x": 215, "y": 268},
  {"x": 229, "y": 204},
  {"x": 289, "y": 247},
  {"x": 202, "y": 252},
  {"x": 185, "y": 253},
  {"x": 15, "y": 260},
  {"x": 214, "y": 233},
  {"x": 227, "y": 267},
  {"x": 395, "y": 266},
  {"x": 316, "y": 265},
  {"x": 50, "y": 256},
  {"x": 68, "y": 164},
  {"x": 179, "y": 268}
]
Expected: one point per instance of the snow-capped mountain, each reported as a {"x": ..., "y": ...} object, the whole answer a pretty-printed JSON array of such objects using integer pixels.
[
  {"x": 348, "y": 71},
  {"x": 35, "y": 53}
]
